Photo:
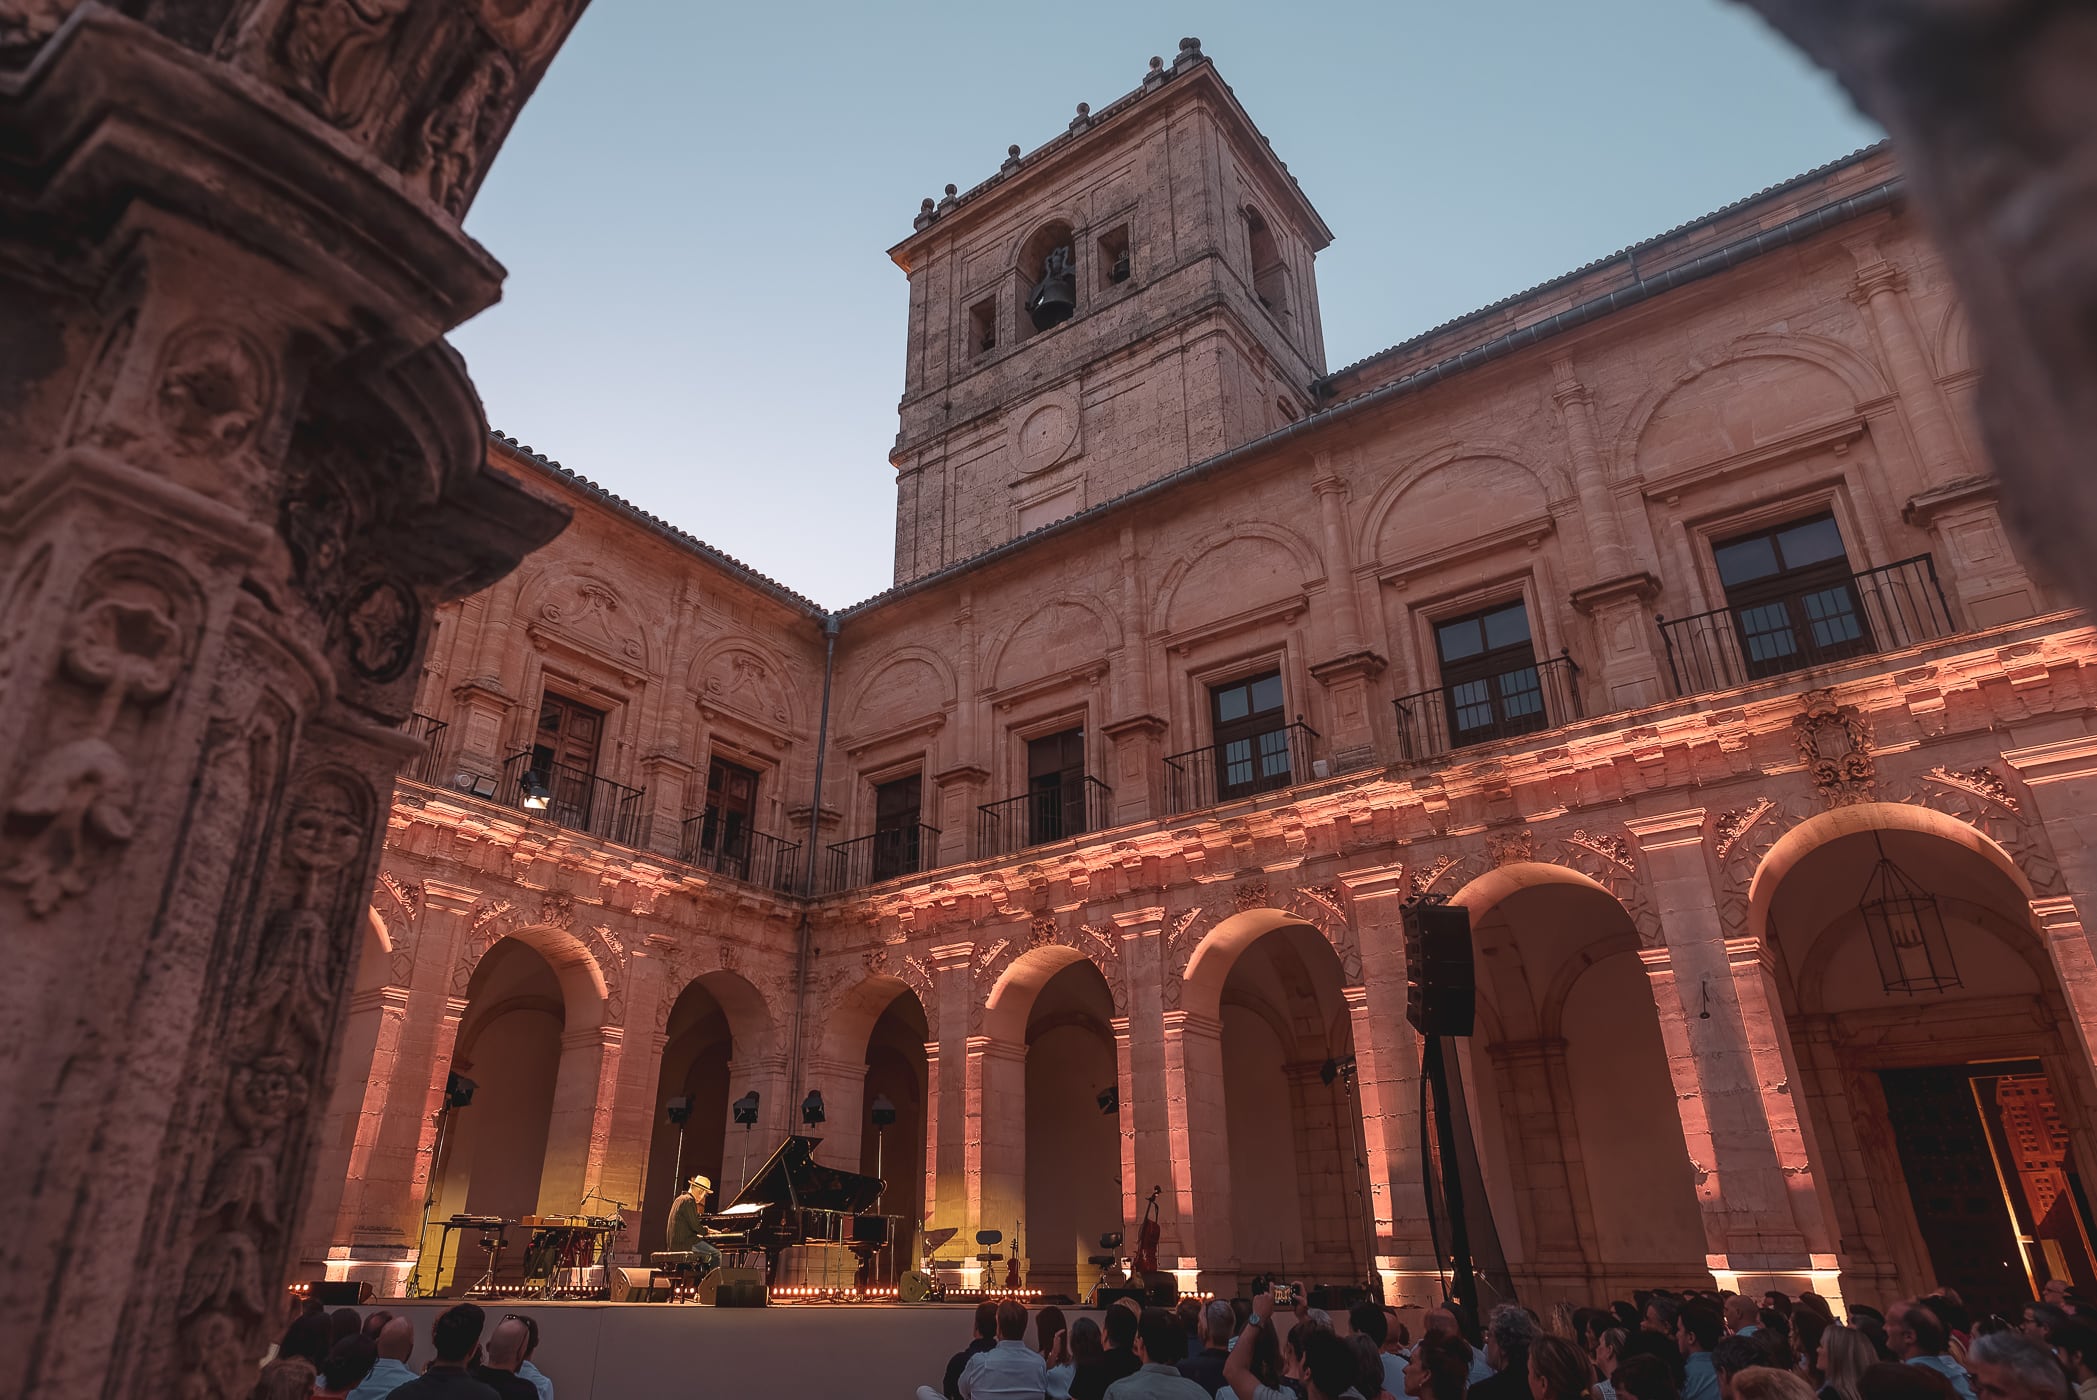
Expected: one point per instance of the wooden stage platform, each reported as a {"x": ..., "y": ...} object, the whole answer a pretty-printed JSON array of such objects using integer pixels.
[{"x": 625, "y": 1351}]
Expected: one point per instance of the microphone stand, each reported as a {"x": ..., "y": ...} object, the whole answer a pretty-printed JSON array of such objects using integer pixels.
[{"x": 429, "y": 1199}]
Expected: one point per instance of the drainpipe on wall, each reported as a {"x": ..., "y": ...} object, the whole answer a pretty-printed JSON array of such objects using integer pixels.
[{"x": 831, "y": 627}]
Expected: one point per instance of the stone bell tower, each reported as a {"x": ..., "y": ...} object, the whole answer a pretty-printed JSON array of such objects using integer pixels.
[{"x": 1133, "y": 297}]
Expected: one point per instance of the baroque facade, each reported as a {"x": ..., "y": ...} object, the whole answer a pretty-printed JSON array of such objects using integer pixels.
[{"x": 1661, "y": 616}]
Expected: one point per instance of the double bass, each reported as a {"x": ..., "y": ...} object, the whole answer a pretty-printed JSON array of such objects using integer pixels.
[{"x": 1147, "y": 1237}]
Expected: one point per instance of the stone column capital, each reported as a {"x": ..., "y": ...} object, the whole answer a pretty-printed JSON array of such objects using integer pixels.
[
  {"x": 1388, "y": 883},
  {"x": 1134, "y": 923},
  {"x": 952, "y": 957},
  {"x": 452, "y": 899},
  {"x": 1330, "y": 486},
  {"x": 2061, "y": 761},
  {"x": 1181, "y": 1022},
  {"x": 1668, "y": 831}
]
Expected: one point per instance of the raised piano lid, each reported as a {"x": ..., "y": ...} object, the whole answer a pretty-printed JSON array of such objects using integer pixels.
[{"x": 792, "y": 1177}]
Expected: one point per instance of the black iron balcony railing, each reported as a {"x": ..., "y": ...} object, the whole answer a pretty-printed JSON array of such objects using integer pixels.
[
  {"x": 1047, "y": 814},
  {"x": 1884, "y": 609},
  {"x": 427, "y": 766},
  {"x": 1239, "y": 767},
  {"x": 573, "y": 797},
  {"x": 883, "y": 855},
  {"x": 1478, "y": 709},
  {"x": 734, "y": 850}
]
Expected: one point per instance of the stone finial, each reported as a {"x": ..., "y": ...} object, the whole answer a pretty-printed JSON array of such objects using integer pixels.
[
  {"x": 1084, "y": 117},
  {"x": 1156, "y": 74},
  {"x": 1190, "y": 53},
  {"x": 925, "y": 214},
  {"x": 1011, "y": 156},
  {"x": 947, "y": 199}
]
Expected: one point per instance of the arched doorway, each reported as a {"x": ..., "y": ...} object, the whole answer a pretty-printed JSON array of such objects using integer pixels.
[
  {"x": 698, "y": 1048},
  {"x": 1566, "y": 1079},
  {"x": 1948, "y": 1112},
  {"x": 1293, "y": 1127},
  {"x": 1073, "y": 1144},
  {"x": 895, "y": 1075}
]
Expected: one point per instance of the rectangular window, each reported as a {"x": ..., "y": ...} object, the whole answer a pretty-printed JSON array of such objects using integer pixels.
[
  {"x": 1114, "y": 257},
  {"x": 897, "y": 826},
  {"x": 1055, "y": 786},
  {"x": 1251, "y": 737},
  {"x": 731, "y": 812},
  {"x": 561, "y": 779},
  {"x": 1793, "y": 599},
  {"x": 983, "y": 327},
  {"x": 1490, "y": 685}
]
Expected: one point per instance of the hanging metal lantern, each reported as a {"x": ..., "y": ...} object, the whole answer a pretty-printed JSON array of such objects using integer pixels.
[{"x": 1907, "y": 930}]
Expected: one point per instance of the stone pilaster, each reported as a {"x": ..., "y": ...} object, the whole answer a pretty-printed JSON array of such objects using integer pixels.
[
  {"x": 1147, "y": 1089},
  {"x": 947, "y": 1186},
  {"x": 1762, "y": 1214},
  {"x": 1881, "y": 290}
]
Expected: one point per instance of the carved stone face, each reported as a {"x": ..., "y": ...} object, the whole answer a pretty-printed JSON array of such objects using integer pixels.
[{"x": 325, "y": 832}]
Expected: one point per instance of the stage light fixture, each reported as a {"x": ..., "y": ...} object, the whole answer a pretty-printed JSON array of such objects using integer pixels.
[
  {"x": 812, "y": 1108},
  {"x": 1109, "y": 1100},
  {"x": 458, "y": 1089},
  {"x": 536, "y": 793},
  {"x": 678, "y": 1110},
  {"x": 746, "y": 1109},
  {"x": 884, "y": 1111}
]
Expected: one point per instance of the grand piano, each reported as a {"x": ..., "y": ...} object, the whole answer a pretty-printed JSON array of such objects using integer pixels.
[{"x": 793, "y": 1200}]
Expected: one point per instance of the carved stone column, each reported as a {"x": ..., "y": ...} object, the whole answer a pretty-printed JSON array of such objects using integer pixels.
[
  {"x": 238, "y": 472},
  {"x": 1762, "y": 1215},
  {"x": 997, "y": 1136},
  {"x": 946, "y": 1092},
  {"x": 1146, "y": 1087},
  {"x": 1387, "y": 1075}
]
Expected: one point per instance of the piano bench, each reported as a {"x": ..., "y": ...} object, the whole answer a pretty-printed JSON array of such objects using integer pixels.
[{"x": 682, "y": 1272}]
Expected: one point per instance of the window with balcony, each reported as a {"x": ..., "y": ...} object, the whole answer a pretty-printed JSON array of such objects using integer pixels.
[
  {"x": 1792, "y": 596},
  {"x": 898, "y": 805},
  {"x": 1061, "y": 799},
  {"x": 731, "y": 809},
  {"x": 1251, "y": 739},
  {"x": 1490, "y": 684},
  {"x": 557, "y": 775},
  {"x": 1494, "y": 686}
]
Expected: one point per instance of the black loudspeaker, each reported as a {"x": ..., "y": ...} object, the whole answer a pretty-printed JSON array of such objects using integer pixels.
[
  {"x": 870, "y": 1229},
  {"x": 339, "y": 1293},
  {"x": 1440, "y": 983},
  {"x": 736, "y": 1288}
]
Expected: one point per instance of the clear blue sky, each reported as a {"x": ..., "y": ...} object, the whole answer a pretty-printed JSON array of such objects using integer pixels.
[{"x": 694, "y": 207}]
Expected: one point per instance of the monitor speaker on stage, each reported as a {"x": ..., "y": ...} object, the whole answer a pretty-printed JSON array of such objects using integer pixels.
[
  {"x": 1440, "y": 984},
  {"x": 735, "y": 1288},
  {"x": 339, "y": 1292}
]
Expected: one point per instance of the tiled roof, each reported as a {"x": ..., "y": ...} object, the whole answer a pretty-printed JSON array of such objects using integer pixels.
[
  {"x": 1620, "y": 255},
  {"x": 683, "y": 539}
]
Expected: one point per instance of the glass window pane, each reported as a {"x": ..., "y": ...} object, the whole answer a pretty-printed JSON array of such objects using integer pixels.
[
  {"x": 1810, "y": 542},
  {"x": 1237, "y": 762},
  {"x": 1274, "y": 754},
  {"x": 1231, "y": 703},
  {"x": 1457, "y": 640},
  {"x": 1521, "y": 693},
  {"x": 1471, "y": 706},
  {"x": 1834, "y": 620},
  {"x": 1766, "y": 632},
  {"x": 1747, "y": 559},
  {"x": 1507, "y": 627},
  {"x": 1267, "y": 693}
]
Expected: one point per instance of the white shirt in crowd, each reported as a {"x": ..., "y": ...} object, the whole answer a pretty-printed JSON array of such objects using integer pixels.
[
  {"x": 538, "y": 1378},
  {"x": 1011, "y": 1370},
  {"x": 385, "y": 1378}
]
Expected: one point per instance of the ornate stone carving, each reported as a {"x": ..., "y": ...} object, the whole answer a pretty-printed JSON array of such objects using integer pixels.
[
  {"x": 1985, "y": 783},
  {"x": 1511, "y": 847},
  {"x": 1834, "y": 740},
  {"x": 279, "y": 1045},
  {"x": 214, "y": 389},
  {"x": 458, "y": 131},
  {"x": 335, "y": 54},
  {"x": 1425, "y": 877},
  {"x": 129, "y": 640},
  {"x": 1726, "y": 831},
  {"x": 380, "y": 624},
  {"x": 876, "y": 960},
  {"x": 1252, "y": 894},
  {"x": 1043, "y": 931},
  {"x": 1610, "y": 847}
]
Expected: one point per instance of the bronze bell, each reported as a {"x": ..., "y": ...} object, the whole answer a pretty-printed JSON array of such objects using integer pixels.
[{"x": 1055, "y": 296}]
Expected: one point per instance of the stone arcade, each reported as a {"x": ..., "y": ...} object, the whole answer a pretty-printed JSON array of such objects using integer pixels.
[
  {"x": 1073, "y": 836},
  {"x": 1643, "y": 614}
]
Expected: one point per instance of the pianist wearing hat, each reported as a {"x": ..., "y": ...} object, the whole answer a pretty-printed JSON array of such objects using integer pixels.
[{"x": 685, "y": 1235}]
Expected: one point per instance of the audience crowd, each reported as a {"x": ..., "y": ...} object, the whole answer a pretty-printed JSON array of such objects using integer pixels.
[{"x": 1661, "y": 1345}]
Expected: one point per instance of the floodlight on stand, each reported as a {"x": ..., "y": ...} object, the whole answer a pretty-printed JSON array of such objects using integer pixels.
[
  {"x": 1906, "y": 929},
  {"x": 812, "y": 1108},
  {"x": 458, "y": 1089},
  {"x": 884, "y": 1111},
  {"x": 536, "y": 793},
  {"x": 1109, "y": 1099},
  {"x": 679, "y": 1109},
  {"x": 746, "y": 1109}
]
